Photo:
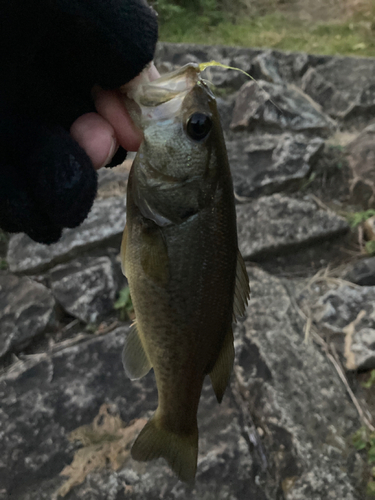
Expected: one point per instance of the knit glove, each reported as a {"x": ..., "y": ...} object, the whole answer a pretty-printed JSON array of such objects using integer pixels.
[{"x": 52, "y": 53}]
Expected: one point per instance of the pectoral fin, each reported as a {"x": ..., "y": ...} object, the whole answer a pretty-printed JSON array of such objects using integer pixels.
[
  {"x": 222, "y": 369},
  {"x": 134, "y": 357},
  {"x": 242, "y": 288},
  {"x": 154, "y": 256}
]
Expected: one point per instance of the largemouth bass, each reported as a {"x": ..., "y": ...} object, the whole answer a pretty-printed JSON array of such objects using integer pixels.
[{"x": 186, "y": 276}]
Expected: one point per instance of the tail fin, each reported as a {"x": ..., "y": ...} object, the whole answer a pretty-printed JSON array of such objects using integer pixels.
[{"x": 180, "y": 451}]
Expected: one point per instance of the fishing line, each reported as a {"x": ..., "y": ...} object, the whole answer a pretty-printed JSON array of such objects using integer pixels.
[{"x": 203, "y": 66}]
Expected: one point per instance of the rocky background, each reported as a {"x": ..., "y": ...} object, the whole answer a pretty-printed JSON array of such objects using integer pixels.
[{"x": 301, "y": 146}]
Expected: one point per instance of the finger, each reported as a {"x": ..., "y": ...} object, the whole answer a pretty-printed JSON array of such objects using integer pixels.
[
  {"x": 97, "y": 137},
  {"x": 109, "y": 105}
]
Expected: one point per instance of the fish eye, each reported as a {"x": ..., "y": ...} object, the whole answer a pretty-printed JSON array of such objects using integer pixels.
[{"x": 198, "y": 126}]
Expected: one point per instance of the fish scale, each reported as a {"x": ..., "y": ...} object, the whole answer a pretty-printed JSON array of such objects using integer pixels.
[{"x": 180, "y": 255}]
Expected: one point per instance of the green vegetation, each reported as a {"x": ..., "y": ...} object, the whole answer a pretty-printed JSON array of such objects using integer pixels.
[
  {"x": 370, "y": 247},
  {"x": 371, "y": 381},
  {"x": 363, "y": 439},
  {"x": 3, "y": 264},
  {"x": 356, "y": 218},
  {"x": 124, "y": 304},
  {"x": 226, "y": 23}
]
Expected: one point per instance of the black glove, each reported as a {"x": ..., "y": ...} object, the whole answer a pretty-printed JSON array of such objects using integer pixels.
[{"x": 52, "y": 52}]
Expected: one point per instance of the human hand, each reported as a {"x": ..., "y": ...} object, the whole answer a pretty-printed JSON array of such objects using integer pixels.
[
  {"x": 100, "y": 134},
  {"x": 53, "y": 53}
]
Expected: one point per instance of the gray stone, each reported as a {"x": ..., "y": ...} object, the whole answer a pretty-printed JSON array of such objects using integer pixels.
[
  {"x": 278, "y": 107},
  {"x": 361, "y": 272},
  {"x": 43, "y": 400},
  {"x": 350, "y": 312},
  {"x": 265, "y": 164},
  {"x": 105, "y": 221},
  {"x": 26, "y": 310},
  {"x": 230, "y": 78},
  {"x": 113, "y": 182},
  {"x": 276, "y": 224},
  {"x": 343, "y": 86},
  {"x": 266, "y": 67},
  {"x": 225, "y": 107},
  {"x": 295, "y": 397},
  {"x": 361, "y": 160},
  {"x": 282, "y": 427},
  {"x": 85, "y": 288},
  {"x": 183, "y": 53}
]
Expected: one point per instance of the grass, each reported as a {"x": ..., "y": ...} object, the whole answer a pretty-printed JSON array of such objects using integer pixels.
[
  {"x": 124, "y": 304},
  {"x": 354, "y": 36},
  {"x": 356, "y": 218},
  {"x": 363, "y": 439}
]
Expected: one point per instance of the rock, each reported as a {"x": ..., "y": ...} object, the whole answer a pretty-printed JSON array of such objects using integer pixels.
[
  {"x": 225, "y": 107},
  {"x": 361, "y": 160},
  {"x": 295, "y": 397},
  {"x": 105, "y": 221},
  {"x": 230, "y": 78},
  {"x": 266, "y": 67},
  {"x": 297, "y": 443},
  {"x": 43, "y": 401},
  {"x": 361, "y": 272},
  {"x": 276, "y": 224},
  {"x": 265, "y": 164},
  {"x": 343, "y": 86},
  {"x": 85, "y": 288},
  {"x": 291, "y": 66},
  {"x": 113, "y": 182},
  {"x": 276, "y": 107},
  {"x": 26, "y": 310},
  {"x": 350, "y": 312},
  {"x": 179, "y": 54}
]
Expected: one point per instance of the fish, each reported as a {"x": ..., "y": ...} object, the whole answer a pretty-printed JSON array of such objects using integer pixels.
[{"x": 179, "y": 252}]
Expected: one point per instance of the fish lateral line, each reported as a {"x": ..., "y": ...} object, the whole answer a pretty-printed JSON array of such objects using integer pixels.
[{"x": 203, "y": 66}]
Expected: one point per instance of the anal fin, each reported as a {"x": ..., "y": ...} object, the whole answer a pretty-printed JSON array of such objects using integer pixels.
[
  {"x": 134, "y": 358},
  {"x": 242, "y": 288},
  {"x": 220, "y": 374}
]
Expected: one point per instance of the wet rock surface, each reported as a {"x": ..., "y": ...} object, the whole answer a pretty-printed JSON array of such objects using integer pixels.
[
  {"x": 276, "y": 224},
  {"x": 361, "y": 159},
  {"x": 361, "y": 272},
  {"x": 350, "y": 313},
  {"x": 44, "y": 399},
  {"x": 85, "y": 288},
  {"x": 265, "y": 164},
  {"x": 26, "y": 309},
  {"x": 341, "y": 93},
  {"x": 105, "y": 221},
  {"x": 278, "y": 107},
  {"x": 295, "y": 395},
  {"x": 284, "y": 429}
]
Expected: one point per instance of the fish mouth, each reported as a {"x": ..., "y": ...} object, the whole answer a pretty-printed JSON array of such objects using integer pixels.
[
  {"x": 162, "y": 99},
  {"x": 167, "y": 87}
]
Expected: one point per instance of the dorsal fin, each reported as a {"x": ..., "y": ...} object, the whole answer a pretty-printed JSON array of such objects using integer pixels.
[
  {"x": 222, "y": 369},
  {"x": 242, "y": 288}
]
